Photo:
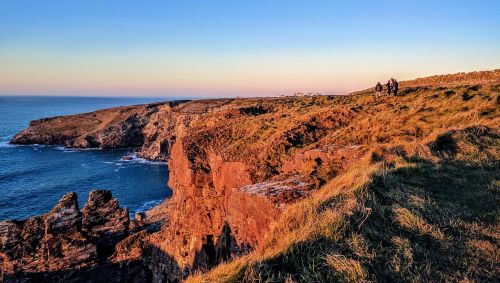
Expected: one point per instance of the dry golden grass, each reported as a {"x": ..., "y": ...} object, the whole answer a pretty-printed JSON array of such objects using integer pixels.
[
  {"x": 420, "y": 205},
  {"x": 349, "y": 270},
  {"x": 408, "y": 220},
  {"x": 352, "y": 235}
]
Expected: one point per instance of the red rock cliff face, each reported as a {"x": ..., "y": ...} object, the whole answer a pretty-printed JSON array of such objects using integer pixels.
[{"x": 209, "y": 220}]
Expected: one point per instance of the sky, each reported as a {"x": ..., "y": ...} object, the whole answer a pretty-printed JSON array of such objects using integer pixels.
[{"x": 223, "y": 48}]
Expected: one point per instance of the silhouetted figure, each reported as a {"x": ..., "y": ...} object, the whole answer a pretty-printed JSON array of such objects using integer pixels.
[
  {"x": 394, "y": 86},
  {"x": 378, "y": 89},
  {"x": 389, "y": 87}
]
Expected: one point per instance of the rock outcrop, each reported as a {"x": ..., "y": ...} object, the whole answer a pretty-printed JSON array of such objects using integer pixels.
[
  {"x": 63, "y": 239},
  {"x": 104, "y": 221},
  {"x": 209, "y": 220}
]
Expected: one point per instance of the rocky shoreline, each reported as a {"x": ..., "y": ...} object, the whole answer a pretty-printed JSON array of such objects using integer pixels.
[
  {"x": 161, "y": 245},
  {"x": 65, "y": 237}
]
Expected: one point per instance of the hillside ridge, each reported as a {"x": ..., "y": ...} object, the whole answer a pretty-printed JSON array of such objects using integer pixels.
[{"x": 300, "y": 189}]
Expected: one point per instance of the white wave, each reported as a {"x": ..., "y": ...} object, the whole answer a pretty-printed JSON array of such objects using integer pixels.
[
  {"x": 70, "y": 149},
  {"x": 36, "y": 146},
  {"x": 147, "y": 206},
  {"x": 6, "y": 144},
  {"x": 133, "y": 158},
  {"x": 65, "y": 149},
  {"x": 85, "y": 149}
]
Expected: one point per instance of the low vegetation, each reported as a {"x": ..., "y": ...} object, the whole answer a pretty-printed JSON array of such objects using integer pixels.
[{"x": 417, "y": 202}]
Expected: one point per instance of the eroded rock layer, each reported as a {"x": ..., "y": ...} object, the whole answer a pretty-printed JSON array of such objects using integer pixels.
[{"x": 64, "y": 238}]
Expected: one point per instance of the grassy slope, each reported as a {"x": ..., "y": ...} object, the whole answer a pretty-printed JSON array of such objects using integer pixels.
[{"x": 420, "y": 204}]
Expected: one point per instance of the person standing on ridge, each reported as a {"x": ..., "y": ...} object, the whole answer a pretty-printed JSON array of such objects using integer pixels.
[
  {"x": 395, "y": 86},
  {"x": 389, "y": 87},
  {"x": 378, "y": 90}
]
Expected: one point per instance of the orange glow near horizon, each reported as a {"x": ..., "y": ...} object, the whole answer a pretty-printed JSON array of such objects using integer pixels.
[{"x": 203, "y": 75}]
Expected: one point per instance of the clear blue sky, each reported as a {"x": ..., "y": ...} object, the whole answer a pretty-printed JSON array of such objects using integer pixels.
[{"x": 227, "y": 48}]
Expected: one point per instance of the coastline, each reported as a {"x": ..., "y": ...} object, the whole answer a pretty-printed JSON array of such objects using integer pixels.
[{"x": 243, "y": 171}]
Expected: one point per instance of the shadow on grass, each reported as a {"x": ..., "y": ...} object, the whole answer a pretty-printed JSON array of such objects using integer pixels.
[
  {"x": 434, "y": 222},
  {"x": 425, "y": 222}
]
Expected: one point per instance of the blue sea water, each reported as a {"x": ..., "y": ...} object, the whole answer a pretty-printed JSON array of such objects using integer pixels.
[{"x": 34, "y": 178}]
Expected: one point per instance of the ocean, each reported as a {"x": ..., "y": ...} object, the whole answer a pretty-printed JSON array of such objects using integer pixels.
[{"x": 34, "y": 178}]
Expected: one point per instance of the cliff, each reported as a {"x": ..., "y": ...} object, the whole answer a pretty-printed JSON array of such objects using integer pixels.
[{"x": 267, "y": 183}]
